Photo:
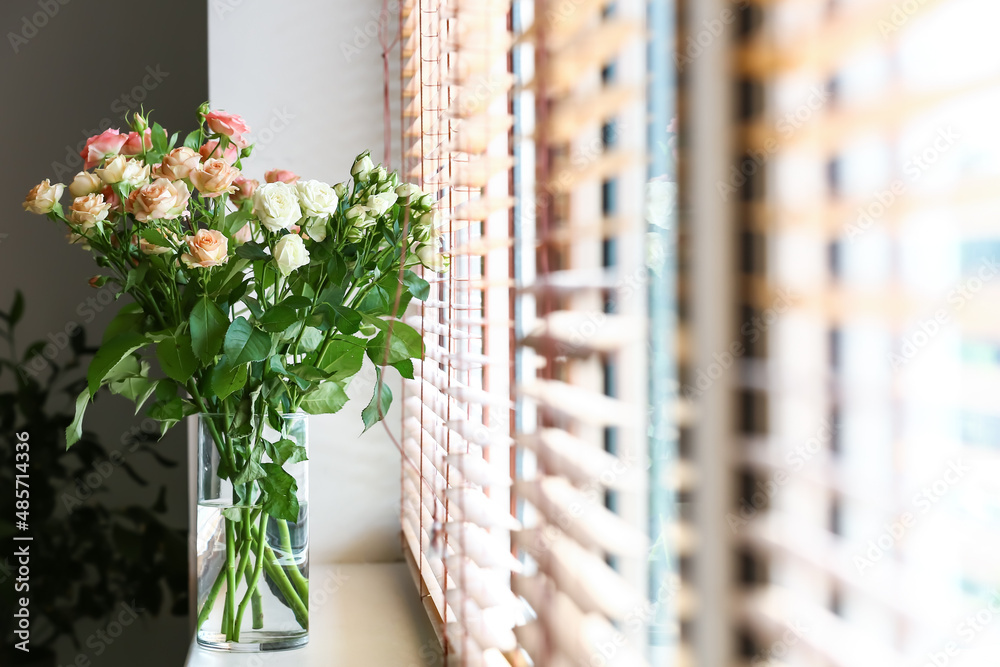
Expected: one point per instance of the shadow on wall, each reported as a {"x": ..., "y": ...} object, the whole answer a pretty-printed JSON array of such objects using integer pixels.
[{"x": 72, "y": 69}]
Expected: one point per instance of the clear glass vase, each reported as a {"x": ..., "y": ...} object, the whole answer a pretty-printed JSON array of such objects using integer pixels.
[{"x": 252, "y": 557}]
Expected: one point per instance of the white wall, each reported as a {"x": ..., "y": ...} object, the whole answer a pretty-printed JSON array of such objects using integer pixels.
[{"x": 307, "y": 76}]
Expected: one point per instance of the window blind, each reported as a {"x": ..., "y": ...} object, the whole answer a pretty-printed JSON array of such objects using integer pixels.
[
  {"x": 581, "y": 332},
  {"x": 456, "y": 479},
  {"x": 868, "y": 229}
]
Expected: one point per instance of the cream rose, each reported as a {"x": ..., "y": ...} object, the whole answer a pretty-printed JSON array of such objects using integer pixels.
[
  {"x": 408, "y": 192},
  {"x": 362, "y": 167},
  {"x": 88, "y": 210},
  {"x": 85, "y": 183},
  {"x": 243, "y": 235},
  {"x": 43, "y": 197},
  {"x": 160, "y": 200},
  {"x": 432, "y": 259},
  {"x": 290, "y": 253},
  {"x": 121, "y": 169},
  {"x": 177, "y": 164},
  {"x": 316, "y": 198},
  {"x": 213, "y": 177},
  {"x": 209, "y": 247},
  {"x": 277, "y": 206},
  {"x": 380, "y": 203}
]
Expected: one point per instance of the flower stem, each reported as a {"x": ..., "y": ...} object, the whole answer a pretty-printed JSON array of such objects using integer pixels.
[
  {"x": 292, "y": 570},
  {"x": 252, "y": 584},
  {"x": 277, "y": 575},
  {"x": 230, "y": 578},
  {"x": 206, "y": 609}
]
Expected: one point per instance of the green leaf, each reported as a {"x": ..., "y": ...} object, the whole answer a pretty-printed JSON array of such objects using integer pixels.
[
  {"x": 227, "y": 378},
  {"x": 75, "y": 430},
  {"x": 208, "y": 329},
  {"x": 244, "y": 343},
  {"x": 193, "y": 140},
  {"x": 325, "y": 399},
  {"x": 405, "y": 368},
  {"x": 135, "y": 277},
  {"x": 177, "y": 359},
  {"x": 277, "y": 318},
  {"x": 296, "y": 302},
  {"x": 251, "y": 251},
  {"x": 379, "y": 405},
  {"x": 404, "y": 342},
  {"x": 110, "y": 354},
  {"x": 281, "y": 501},
  {"x": 419, "y": 288},
  {"x": 233, "y": 513},
  {"x": 16, "y": 309},
  {"x": 155, "y": 237},
  {"x": 348, "y": 321},
  {"x": 285, "y": 451},
  {"x": 251, "y": 472},
  {"x": 127, "y": 367},
  {"x": 311, "y": 338},
  {"x": 159, "y": 137},
  {"x": 342, "y": 358},
  {"x": 129, "y": 318}
]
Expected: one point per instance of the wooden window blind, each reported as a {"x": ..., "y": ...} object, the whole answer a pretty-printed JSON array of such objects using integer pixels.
[
  {"x": 869, "y": 432},
  {"x": 581, "y": 332},
  {"x": 456, "y": 513}
]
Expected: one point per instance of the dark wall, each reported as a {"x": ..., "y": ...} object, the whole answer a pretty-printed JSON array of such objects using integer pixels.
[{"x": 69, "y": 69}]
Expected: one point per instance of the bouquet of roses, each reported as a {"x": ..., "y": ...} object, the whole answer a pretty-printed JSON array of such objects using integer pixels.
[{"x": 257, "y": 300}]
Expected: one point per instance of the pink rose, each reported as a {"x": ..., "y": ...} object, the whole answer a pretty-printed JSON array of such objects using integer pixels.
[
  {"x": 213, "y": 177},
  {"x": 244, "y": 235},
  {"x": 244, "y": 188},
  {"x": 280, "y": 176},
  {"x": 177, "y": 164},
  {"x": 112, "y": 198},
  {"x": 209, "y": 247},
  {"x": 210, "y": 149},
  {"x": 133, "y": 145},
  {"x": 99, "y": 146},
  {"x": 230, "y": 125}
]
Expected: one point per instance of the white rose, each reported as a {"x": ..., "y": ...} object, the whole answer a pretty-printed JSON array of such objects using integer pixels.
[
  {"x": 380, "y": 203},
  {"x": 340, "y": 189},
  {"x": 43, "y": 197},
  {"x": 124, "y": 170},
  {"x": 277, "y": 205},
  {"x": 290, "y": 253},
  {"x": 432, "y": 259},
  {"x": 316, "y": 198},
  {"x": 362, "y": 167},
  {"x": 85, "y": 183},
  {"x": 409, "y": 192},
  {"x": 661, "y": 200},
  {"x": 316, "y": 229}
]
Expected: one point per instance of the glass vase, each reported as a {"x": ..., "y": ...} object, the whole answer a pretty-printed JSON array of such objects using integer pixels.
[{"x": 252, "y": 543}]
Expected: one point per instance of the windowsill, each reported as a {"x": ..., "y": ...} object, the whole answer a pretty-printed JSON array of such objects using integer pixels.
[{"x": 371, "y": 615}]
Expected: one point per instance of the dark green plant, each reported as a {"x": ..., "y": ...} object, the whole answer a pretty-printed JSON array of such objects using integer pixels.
[{"x": 86, "y": 558}]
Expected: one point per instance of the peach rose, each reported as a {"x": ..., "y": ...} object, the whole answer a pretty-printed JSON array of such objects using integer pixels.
[
  {"x": 86, "y": 211},
  {"x": 213, "y": 177},
  {"x": 99, "y": 146},
  {"x": 160, "y": 200},
  {"x": 134, "y": 146},
  {"x": 209, "y": 247},
  {"x": 280, "y": 176},
  {"x": 210, "y": 150},
  {"x": 85, "y": 183},
  {"x": 43, "y": 197},
  {"x": 245, "y": 188},
  {"x": 177, "y": 164},
  {"x": 230, "y": 125}
]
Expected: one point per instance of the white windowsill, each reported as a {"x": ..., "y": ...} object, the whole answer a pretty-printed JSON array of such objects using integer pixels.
[{"x": 371, "y": 615}]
